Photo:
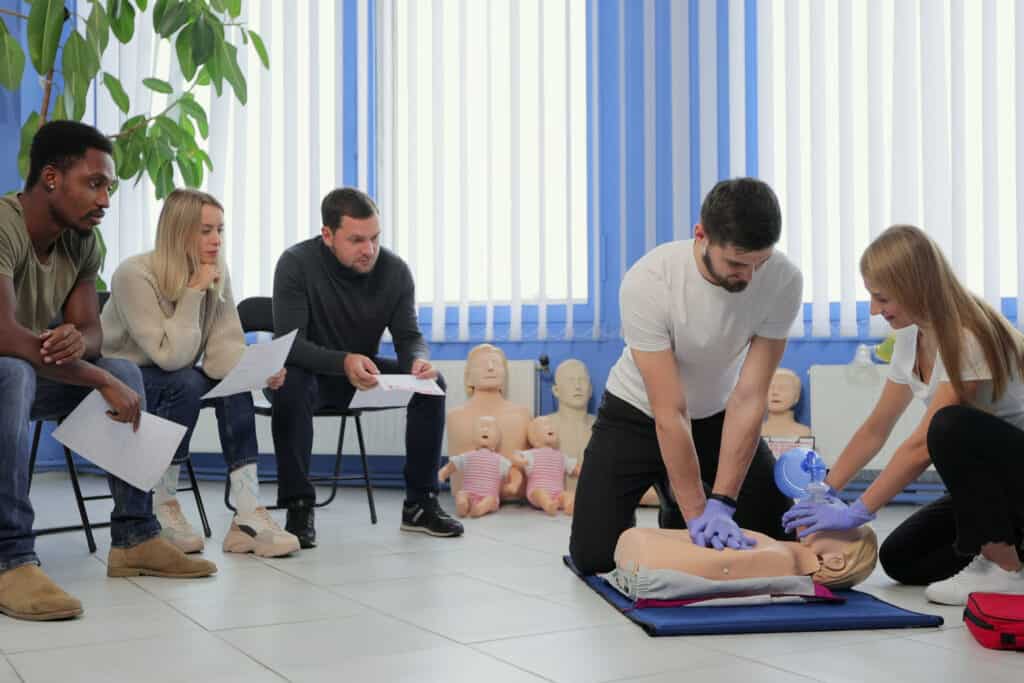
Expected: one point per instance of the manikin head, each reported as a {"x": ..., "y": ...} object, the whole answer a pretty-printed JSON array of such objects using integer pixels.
[
  {"x": 542, "y": 433},
  {"x": 572, "y": 385},
  {"x": 784, "y": 391},
  {"x": 486, "y": 370},
  {"x": 486, "y": 433},
  {"x": 740, "y": 222},
  {"x": 73, "y": 163},
  {"x": 351, "y": 229},
  {"x": 846, "y": 557}
]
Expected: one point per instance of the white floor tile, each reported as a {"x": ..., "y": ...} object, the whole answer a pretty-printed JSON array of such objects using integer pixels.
[
  {"x": 286, "y": 603},
  {"x": 896, "y": 659},
  {"x": 729, "y": 671},
  {"x": 400, "y": 597},
  {"x": 599, "y": 654},
  {"x": 99, "y": 625},
  {"x": 7, "y": 673},
  {"x": 182, "y": 657},
  {"x": 324, "y": 647}
]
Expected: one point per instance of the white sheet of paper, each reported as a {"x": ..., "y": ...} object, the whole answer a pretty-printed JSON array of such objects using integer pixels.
[
  {"x": 394, "y": 391},
  {"x": 139, "y": 458},
  {"x": 259, "y": 362}
]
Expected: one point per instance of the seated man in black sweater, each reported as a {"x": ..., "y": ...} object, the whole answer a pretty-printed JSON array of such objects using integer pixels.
[{"x": 341, "y": 290}]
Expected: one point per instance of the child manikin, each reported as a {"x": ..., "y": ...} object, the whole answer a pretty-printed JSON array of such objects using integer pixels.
[
  {"x": 545, "y": 467},
  {"x": 483, "y": 470}
]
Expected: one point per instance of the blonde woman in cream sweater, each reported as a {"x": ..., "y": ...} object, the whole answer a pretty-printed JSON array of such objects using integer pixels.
[{"x": 171, "y": 312}]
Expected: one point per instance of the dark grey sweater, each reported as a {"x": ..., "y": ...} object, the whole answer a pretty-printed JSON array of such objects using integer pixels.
[{"x": 339, "y": 311}]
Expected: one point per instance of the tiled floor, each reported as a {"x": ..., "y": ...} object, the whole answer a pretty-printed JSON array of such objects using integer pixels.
[{"x": 373, "y": 603}]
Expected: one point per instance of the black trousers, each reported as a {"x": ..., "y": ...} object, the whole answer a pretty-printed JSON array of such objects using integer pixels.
[
  {"x": 623, "y": 460},
  {"x": 304, "y": 392},
  {"x": 980, "y": 458}
]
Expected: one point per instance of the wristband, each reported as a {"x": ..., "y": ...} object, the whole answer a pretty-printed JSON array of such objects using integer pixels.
[{"x": 722, "y": 498}]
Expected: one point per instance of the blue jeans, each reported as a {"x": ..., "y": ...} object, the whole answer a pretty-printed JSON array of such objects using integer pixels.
[
  {"x": 175, "y": 396},
  {"x": 25, "y": 396}
]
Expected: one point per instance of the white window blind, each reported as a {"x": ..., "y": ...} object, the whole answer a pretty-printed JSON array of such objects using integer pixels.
[{"x": 482, "y": 165}]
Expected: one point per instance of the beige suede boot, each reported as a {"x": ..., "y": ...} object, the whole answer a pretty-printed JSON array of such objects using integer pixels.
[
  {"x": 26, "y": 592},
  {"x": 157, "y": 557}
]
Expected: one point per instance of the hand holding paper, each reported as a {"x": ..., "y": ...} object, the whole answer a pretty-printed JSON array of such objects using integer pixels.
[
  {"x": 137, "y": 456},
  {"x": 394, "y": 391},
  {"x": 259, "y": 362}
]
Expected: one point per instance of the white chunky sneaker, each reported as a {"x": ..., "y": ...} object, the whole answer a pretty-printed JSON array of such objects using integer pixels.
[
  {"x": 258, "y": 533},
  {"x": 980, "y": 576},
  {"x": 176, "y": 529}
]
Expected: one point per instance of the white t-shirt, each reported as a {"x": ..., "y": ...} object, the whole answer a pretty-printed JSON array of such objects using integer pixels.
[
  {"x": 1010, "y": 405},
  {"x": 667, "y": 304}
]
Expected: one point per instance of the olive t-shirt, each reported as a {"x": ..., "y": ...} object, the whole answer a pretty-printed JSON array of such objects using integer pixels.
[{"x": 40, "y": 289}]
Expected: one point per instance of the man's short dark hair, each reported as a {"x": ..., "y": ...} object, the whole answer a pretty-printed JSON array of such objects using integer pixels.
[
  {"x": 346, "y": 201},
  {"x": 743, "y": 212},
  {"x": 60, "y": 144}
]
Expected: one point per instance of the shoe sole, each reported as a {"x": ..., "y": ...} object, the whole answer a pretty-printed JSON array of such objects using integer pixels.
[
  {"x": 243, "y": 548},
  {"x": 128, "y": 572},
  {"x": 425, "y": 530},
  {"x": 49, "y": 616}
]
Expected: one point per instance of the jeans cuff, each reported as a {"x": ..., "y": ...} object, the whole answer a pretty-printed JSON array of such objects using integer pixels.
[
  {"x": 135, "y": 536},
  {"x": 15, "y": 562},
  {"x": 232, "y": 466}
]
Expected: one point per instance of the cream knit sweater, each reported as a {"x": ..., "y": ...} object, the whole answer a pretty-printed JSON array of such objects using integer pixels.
[{"x": 142, "y": 326}]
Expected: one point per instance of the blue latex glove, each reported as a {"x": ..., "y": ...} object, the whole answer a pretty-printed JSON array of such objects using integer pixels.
[
  {"x": 715, "y": 528},
  {"x": 832, "y": 514}
]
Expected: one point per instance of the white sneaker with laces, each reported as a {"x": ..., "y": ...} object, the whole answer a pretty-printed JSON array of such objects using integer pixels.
[
  {"x": 980, "y": 576},
  {"x": 258, "y": 533},
  {"x": 176, "y": 529}
]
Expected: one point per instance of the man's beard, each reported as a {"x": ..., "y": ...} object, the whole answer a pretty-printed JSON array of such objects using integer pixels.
[{"x": 737, "y": 286}]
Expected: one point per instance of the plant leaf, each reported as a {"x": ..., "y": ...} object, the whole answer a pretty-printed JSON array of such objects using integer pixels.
[
  {"x": 232, "y": 72},
  {"x": 28, "y": 131},
  {"x": 218, "y": 5},
  {"x": 97, "y": 28},
  {"x": 12, "y": 60},
  {"x": 79, "y": 63},
  {"x": 234, "y": 8},
  {"x": 122, "y": 22},
  {"x": 165, "y": 181},
  {"x": 59, "y": 112},
  {"x": 45, "y": 20},
  {"x": 198, "y": 114},
  {"x": 158, "y": 85},
  {"x": 261, "y": 49},
  {"x": 117, "y": 92},
  {"x": 174, "y": 18},
  {"x": 183, "y": 46},
  {"x": 142, "y": 5},
  {"x": 159, "y": 9},
  {"x": 202, "y": 40}
]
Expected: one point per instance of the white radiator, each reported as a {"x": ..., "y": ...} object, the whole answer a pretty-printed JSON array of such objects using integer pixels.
[
  {"x": 842, "y": 397},
  {"x": 384, "y": 432}
]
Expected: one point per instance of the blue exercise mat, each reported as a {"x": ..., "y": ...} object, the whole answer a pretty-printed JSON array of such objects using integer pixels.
[{"x": 860, "y": 611}]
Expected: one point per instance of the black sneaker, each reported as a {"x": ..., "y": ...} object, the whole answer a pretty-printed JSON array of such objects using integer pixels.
[
  {"x": 300, "y": 523},
  {"x": 428, "y": 517}
]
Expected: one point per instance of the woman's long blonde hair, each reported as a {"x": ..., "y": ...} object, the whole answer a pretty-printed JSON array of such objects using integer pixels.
[
  {"x": 911, "y": 268},
  {"x": 176, "y": 256}
]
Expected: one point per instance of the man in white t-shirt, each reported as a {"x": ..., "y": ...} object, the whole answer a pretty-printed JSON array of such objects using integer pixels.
[{"x": 705, "y": 323}]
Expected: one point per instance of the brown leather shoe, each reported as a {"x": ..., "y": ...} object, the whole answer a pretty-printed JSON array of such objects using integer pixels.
[
  {"x": 156, "y": 557},
  {"x": 26, "y": 592}
]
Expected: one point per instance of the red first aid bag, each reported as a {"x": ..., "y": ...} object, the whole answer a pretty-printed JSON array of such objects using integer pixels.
[{"x": 996, "y": 620}]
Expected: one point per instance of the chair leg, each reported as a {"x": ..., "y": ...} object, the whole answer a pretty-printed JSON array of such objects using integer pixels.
[
  {"x": 86, "y": 526},
  {"x": 199, "y": 498},
  {"x": 366, "y": 472},
  {"x": 32, "y": 454},
  {"x": 337, "y": 465}
]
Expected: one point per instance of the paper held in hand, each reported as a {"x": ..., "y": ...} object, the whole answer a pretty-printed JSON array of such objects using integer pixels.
[
  {"x": 394, "y": 391},
  {"x": 139, "y": 458},
  {"x": 259, "y": 362}
]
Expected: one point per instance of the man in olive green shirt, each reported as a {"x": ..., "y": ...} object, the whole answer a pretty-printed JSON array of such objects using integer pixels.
[{"x": 49, "y": 259}]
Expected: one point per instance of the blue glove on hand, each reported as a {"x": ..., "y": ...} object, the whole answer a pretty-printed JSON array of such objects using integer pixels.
[
  {"x": 715, "y": 528},
  {"x": 832, "y": 514}
]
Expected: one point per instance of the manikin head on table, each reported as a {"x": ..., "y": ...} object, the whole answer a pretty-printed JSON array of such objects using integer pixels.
[
  {"x": 542, "y": 433},
  {"x": 486, "y": 433},
  {"x": 784, "y": 391},
  {"x": 572, "y": 385},
  {"x": 486, "y": 370}
]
